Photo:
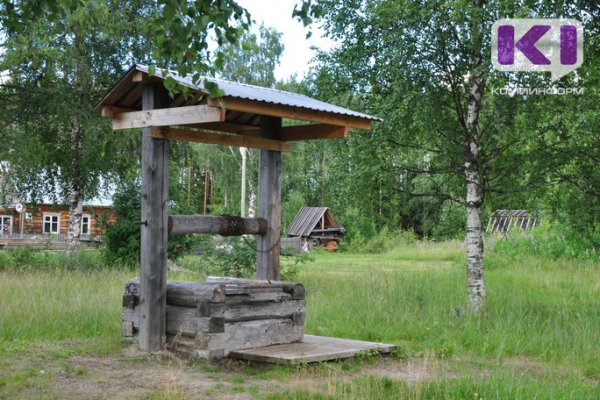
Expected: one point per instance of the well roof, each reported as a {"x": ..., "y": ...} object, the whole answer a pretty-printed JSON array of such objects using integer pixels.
[{"x": 238, "y": 111}]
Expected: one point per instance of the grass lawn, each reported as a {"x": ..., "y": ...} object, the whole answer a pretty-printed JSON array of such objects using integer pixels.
[{"x": 538, "y": 338}]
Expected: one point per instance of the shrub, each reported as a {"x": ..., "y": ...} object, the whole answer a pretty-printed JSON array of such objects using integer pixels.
[
  {"x": 123, "y": 237},
  {"x": 23, "y": 259},
  {"x": 549, "y": 241}
]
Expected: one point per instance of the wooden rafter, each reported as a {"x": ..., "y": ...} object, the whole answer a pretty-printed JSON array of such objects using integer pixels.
[
  {"x": 199, "y": 136},
  {"x": 167, "y": 117},
  {"x": 315, "y": 131},
  {"x": 278, "y": 110},
  {"x": 111, "y": 111}
]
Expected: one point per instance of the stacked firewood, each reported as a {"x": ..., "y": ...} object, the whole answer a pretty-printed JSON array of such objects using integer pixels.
[{"x": 211, "y": 319}]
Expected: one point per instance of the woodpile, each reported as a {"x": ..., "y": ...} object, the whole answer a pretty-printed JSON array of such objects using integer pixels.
[{"x": 211, "y": 319}]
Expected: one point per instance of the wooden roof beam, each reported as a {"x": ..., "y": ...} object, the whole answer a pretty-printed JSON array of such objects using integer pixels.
[
  {"x": 112, "y": 111},
  {"x": 284, "y": 111},
  {"x": 198, "y": 136},
  {"x": 168, "y": 116},
  {"x": 314, "y": 131}
]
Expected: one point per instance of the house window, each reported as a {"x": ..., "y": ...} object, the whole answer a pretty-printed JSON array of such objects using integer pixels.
[
  {"x": 51, "y": 223},
  {"x": 5, "y": 225},
  {"x": 86, "y": 224}
]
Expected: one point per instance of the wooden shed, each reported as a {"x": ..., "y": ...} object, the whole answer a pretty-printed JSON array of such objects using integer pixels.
[
  {"x": 505, "y": 220},
  {"x": 315, "y": 226},
  {"x": 244, "y": 116}
]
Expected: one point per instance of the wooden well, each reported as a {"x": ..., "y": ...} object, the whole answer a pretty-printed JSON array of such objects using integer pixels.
[{"x": 245, "y": 116}]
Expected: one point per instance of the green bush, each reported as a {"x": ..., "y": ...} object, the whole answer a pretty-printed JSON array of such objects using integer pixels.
[
  {"x": 122, "y": 238},
  {"x": 549, "y": 241},
  {"x": 24, "y": 259},
  {"x": 383, "y": 241}
]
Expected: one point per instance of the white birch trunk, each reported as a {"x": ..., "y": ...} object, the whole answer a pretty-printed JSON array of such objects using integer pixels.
[
  {"x": 75, "y": 192},
  {"x": 252, "y": 200},
  {"x": 474, "y": 198}
]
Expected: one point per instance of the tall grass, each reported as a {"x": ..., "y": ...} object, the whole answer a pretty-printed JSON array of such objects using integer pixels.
[
  {"x": 539, "y": 308},
  {"x": 54, "y": 306},
  {"x": 507, "y": 385}
]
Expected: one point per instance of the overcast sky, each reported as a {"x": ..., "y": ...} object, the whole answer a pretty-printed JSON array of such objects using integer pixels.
[{"x": 297, "y": 53}]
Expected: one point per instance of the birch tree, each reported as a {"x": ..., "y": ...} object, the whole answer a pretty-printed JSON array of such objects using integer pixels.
[
  {"x": 62, "y": 57},
  {"x": 425, "y": 68}
]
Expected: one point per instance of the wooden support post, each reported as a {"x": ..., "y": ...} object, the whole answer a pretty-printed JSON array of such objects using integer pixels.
[
  {"x": 269, "y": 206},
  {"x": 153, "y": 257}
]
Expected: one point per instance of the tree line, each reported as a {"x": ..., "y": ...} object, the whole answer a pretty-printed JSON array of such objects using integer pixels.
[{"x": 450, "y": 149}]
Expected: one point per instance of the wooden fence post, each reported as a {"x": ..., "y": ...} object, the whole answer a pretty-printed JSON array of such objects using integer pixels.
[
  {"x": 153, "y": 257},
  {"x": 269, "y": 203}
]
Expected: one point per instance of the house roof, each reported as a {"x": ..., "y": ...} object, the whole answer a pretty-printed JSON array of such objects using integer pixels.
[
  {"x": 306, "y": 220},
  {"x": 238, "y": 111},
  {"x": 503, "y": 220}
]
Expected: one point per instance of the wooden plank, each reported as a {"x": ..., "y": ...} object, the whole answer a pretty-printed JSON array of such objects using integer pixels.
[
  {"x": 188, "y": 322},
  {"x": 269, "y": 203},
  {"x": 187, "y": 346},
  {"x": 185, "y": 224},
  {"x": 283, "y": 111},
  {"x": 138, "y": 76},
  {"x": 154, "y": 235},
  {"x": 112, "y": 111},
  {"x": 167, "y": 116},
  {"x": 296, "y": 289},
  {"x": 190, "y": 294},
  {"x": 228, "y": 127},
  {"x": 199, "y": 136},
  {"x": 314, "y": 131},
  {"x": 249, "y": 334},
  {"x": 258, "y": 298},
  {"x": 260, "y": 311},
  {"x": 187, "y": 294},
  {"x": 311, "y": 349}
]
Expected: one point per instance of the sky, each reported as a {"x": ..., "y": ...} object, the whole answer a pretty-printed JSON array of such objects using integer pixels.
[{"x": 297, "y": 52}]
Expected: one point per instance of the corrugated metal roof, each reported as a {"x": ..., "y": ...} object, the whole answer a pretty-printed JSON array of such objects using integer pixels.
[
  {"x": 306, "y": 220},
  {"x": 258, "y": 93},
  {"x": 503, "y": 220}
]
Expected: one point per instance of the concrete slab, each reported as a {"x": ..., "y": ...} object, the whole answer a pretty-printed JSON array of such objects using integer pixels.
[{"x": 311, "y": 349}]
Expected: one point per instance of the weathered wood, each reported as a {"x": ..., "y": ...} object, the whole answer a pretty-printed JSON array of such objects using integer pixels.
[
  {"x": 190, "y": 294},
  {"x": 277, "y": 110},
  {"x": 330, "y": 230},
  {"x": 259, "y": 311},
  {"x": 184, "y": 224},
  {"x": 154, "y": 235},
  {"x": 311, "y": 349},
  {"x": 188, "y": 322},
  {"x": 311, "y": 132},
  {"x": 250, "y": 334},
  {"x": 187, "y": 294},
  {"x": 269, "y": 206},
  {"x": 187, "y": 346},
  {"x": 167, "y": 116},
  {"x": 258, "y": 298},
  {"x": 130, "y": 321},
  {"x": 296, "y": 289},
  {"x": 200, "y": 136},
  {"x": 111, "y": 111}
]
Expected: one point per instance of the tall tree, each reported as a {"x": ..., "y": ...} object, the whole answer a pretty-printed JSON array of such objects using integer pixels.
[
  {"x": 425, "y": 68},
  {"x": 63, "y": 55}
]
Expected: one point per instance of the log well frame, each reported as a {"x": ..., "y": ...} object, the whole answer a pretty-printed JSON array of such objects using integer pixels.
[{"x": 245, "y": 115}]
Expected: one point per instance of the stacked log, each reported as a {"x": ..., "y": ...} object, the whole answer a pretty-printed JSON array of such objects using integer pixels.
[{"x": 210, "y": 319}]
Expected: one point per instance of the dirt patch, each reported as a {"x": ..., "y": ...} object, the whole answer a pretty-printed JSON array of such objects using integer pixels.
[{"x": 134, "y": 375}]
